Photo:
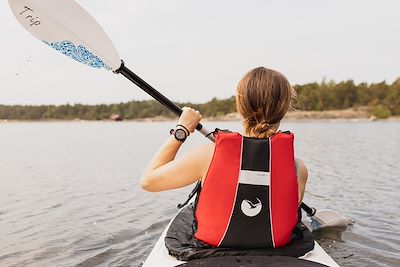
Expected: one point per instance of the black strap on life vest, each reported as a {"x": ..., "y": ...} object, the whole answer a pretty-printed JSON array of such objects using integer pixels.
[{"x": 196, "y": 191}]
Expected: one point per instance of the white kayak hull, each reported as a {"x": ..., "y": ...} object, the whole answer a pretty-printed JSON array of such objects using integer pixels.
[{"x": 159, "y": 256}]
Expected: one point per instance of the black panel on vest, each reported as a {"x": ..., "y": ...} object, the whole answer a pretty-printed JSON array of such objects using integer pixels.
[
  {"x": 249, "y": 232},
  {"x": 255, "y": 154}
]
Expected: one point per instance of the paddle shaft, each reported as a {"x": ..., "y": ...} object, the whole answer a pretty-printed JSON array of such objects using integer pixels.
[{"x": 158, "y": 96}]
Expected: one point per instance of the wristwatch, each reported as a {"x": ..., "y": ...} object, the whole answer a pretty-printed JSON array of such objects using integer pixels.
[{"x": 180, "y": 134}]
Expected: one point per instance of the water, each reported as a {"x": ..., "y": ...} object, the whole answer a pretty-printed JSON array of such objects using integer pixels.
[{"x": 69, "y": 193}]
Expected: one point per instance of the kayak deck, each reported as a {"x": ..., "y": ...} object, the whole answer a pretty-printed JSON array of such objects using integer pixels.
[{"x": 159, "y": 255}]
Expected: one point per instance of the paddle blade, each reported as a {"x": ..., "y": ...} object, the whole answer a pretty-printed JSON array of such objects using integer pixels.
[
  {"x": 67, "y": 27},
  {"x": 328, "y": 218}
]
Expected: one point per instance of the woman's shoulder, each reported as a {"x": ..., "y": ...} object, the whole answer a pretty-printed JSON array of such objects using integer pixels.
[
  {"x": 206, "y": 150},
  {"x": 202, "y": 155},
  {"x": 202, "y": 151}
]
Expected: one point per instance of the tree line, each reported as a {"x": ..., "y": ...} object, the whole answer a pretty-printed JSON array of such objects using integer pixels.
[{"x": 382, "y": 99}]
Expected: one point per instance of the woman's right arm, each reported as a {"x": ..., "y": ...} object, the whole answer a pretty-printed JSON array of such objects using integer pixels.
[{"x": 302, "y": 180}]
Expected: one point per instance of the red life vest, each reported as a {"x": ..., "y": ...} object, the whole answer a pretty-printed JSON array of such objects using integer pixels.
[{"x": 249, "y": 196}]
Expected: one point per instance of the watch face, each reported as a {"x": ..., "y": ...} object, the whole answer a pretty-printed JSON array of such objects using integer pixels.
[{"x": 180, "y": 134}]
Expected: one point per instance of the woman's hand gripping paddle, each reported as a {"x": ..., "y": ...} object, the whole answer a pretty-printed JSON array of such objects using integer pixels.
[{"x": 67, "y": 27}]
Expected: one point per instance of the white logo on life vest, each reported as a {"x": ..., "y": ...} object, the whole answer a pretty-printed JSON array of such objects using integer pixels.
[{"x": 249, "y": 208}]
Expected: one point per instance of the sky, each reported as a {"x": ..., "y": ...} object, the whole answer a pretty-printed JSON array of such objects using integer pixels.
[{"x": 196, "y": 50}]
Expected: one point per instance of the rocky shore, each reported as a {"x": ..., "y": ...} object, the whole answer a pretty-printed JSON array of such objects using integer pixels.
[{"x": 345, "y": 114}]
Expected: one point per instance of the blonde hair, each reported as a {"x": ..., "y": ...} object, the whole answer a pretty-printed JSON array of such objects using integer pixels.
[{"x": 263, "y": 98}]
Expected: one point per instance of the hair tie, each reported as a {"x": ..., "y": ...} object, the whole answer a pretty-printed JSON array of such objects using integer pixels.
[{"x": 266, "y": 128}]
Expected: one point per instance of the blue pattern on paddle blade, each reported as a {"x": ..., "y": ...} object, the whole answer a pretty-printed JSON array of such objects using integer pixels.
[
  {"x": 315, "y": 225},
  {"x": 78, "y": 53}
]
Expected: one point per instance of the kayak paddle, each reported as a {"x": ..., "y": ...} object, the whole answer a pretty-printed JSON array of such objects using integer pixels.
[{"x": 65, "y": 26}]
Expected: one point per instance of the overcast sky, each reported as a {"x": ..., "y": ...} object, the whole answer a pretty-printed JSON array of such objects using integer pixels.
[{"x": 196, "y": 50}]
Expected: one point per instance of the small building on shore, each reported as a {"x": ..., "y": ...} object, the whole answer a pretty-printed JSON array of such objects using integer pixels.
[{"x": 116, "y": 117}]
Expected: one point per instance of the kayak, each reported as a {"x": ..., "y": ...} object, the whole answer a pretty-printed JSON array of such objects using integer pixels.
[{"x": 159, "y": 257}]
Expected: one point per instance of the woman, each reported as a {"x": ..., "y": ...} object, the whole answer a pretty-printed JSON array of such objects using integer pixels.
[{"x": 248, "y": 181}]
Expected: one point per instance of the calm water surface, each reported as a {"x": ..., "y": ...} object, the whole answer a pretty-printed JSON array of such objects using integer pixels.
[{"x": 70, "y": 195}]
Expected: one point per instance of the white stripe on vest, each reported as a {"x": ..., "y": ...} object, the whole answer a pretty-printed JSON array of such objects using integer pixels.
[{"x": 254, "y": 177}]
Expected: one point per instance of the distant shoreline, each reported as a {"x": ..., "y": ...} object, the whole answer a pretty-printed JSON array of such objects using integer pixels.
[{"x": 351, "y": 114}]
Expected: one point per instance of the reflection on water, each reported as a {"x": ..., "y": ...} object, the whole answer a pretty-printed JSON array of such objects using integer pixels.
[{"x": 69, "y": 193}]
